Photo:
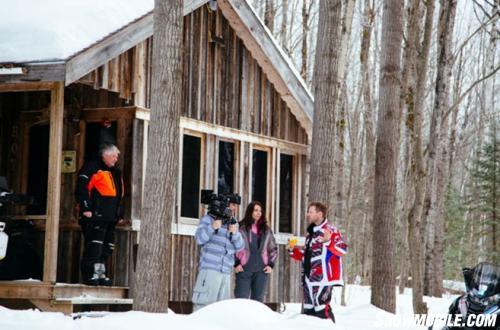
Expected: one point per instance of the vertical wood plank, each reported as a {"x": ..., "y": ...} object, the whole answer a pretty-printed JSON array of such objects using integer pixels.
[{"x": 54, "y": 178}]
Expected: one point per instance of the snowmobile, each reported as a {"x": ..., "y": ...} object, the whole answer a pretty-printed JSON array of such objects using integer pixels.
[{"x": 482, "y": 285}]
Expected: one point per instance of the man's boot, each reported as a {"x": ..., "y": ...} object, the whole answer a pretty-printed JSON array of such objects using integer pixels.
[
  {"x": 329, "y": 313},
  {"x": 308, "y": 311},
  {"x": 94, "y": 280},
  {"x": 103, "y": 279}
]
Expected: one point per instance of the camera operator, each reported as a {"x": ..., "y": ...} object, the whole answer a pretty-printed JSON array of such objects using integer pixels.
[{"x": 219, "y": 239}]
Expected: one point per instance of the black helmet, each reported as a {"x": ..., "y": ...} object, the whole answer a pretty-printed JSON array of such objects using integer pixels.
[{"x": 485, "y": 280}]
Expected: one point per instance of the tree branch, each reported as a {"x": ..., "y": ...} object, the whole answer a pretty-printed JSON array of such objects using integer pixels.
[
  {"x": 460, "y": 99},
  {"x": 482, "y": 26}
]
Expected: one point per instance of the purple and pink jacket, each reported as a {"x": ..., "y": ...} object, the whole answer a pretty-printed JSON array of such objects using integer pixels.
[{"x": 267, "y": 249}]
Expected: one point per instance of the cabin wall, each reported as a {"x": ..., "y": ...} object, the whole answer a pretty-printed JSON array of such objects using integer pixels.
[
  {"x": 222, "y": 83},
  {"x": 283, "y": 285},
  {"x": 223, "y": 86}
]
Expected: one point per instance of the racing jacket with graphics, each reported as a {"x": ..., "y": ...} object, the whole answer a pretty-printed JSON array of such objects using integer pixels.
[
  {"x": 322, "y": 262},
  {"x": 100, "y": 190}
]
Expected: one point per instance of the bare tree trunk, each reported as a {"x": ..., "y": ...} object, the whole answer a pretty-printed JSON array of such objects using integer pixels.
[
  {"x": 327, "y": 71},
  {"x": 366, "y": 78},
  {"x": 345, "y": 35},
  {"x": 384, "y": 218},
  {"x": 454, "y": 117},
  {"x": 353, "y": 184},
  {"x": 153, "y": 262},
  {"x": 408, "y": 202},
  {"x": 292, "y": 23},
  {"x": 339, "y": 208},
  {"x": 430, "y": 214},
  {"x": 414, "y": 101},
  {"x": 269, "y": 14},
  {"x": 341, "y": 108},
  {"x": 284, "y": 26},
  {"x": 441, "y": 104},
  {"x": 305, "y": 32}
]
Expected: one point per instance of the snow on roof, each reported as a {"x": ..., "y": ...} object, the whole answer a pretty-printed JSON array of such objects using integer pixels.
[{"x": 52, "y": 30}]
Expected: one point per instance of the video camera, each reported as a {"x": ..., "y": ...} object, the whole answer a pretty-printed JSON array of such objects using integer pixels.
[
  {"x": 218, "y": 205},
  {"x": 7, "y": 196}
]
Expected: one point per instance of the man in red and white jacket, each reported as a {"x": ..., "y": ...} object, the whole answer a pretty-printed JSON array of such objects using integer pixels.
[{"x": 321, "y": 262}]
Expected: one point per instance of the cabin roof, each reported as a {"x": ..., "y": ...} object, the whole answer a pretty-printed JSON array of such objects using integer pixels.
[{"x": 65, "y": 40}]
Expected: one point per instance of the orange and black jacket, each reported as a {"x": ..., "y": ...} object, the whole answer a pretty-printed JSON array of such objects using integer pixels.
[{"x": 100, "y": 190}]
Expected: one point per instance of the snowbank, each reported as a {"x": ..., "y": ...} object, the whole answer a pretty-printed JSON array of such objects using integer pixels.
[
  {"x": 233, "y": 314},
  {"x": 238, "y": 314}
]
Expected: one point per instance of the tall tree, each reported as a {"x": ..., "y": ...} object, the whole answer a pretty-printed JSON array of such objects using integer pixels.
[
  {"x": 327, "y": 70},
  {"x": 153, "y": 262},
  {"x": 440, "y": 136},
  {"x": 415, "y": 96},
  {"x": 386, "y": 156},
  {"x": 269, "y": 14},
  {"x": 369, "y": 135},
  {"x": 306, "y": 10},
  {"x": 284, "y": 25},
  {"x": 486, "y": 174},
  {"x": 342, "y": 103}
]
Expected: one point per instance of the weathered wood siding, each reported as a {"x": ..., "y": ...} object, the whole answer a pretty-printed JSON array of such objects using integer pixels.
[
  {"x": 223, "y": 84},
  {"x": 284, "y": 284}
]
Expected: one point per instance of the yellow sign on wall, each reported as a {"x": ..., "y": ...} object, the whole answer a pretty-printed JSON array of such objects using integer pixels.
[{"x": 68, "y": 161}]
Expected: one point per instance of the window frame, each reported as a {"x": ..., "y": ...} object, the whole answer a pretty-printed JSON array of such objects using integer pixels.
[
  {"x": 271, "y": 164},
  {"x": 295, "y": 194},
  {"x": 236, "y": 163},
  {"x": 202, "y": 136}
]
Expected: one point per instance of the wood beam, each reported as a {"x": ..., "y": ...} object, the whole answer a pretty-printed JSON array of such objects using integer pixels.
[
  {"x": 230, "y": 133},
  {"x": 65, "y": 307},
  {"x": 25, "y": 290},
  {"x": 97, "y": 114},
  {"x": 36, "y": 73},
  {"x": 62, "y": 291},
  {"x": 26, "y": 86},
  {"x": 54, "y": 180}
]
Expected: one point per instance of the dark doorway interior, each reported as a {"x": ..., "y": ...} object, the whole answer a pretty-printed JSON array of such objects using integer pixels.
[
  {"x": 191, "y": 165},
  {"x": 38, "y": 168},
  {"x": 226, "y": 168},
  {"x": 97, "y": 134},
  {"x": 259, "y": 177}
]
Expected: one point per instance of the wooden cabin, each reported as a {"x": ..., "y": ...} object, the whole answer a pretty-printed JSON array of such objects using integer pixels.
[{"x": 246, "y": 125}]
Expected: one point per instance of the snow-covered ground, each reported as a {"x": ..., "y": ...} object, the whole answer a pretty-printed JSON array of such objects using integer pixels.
[{"x": 227, "y": 315}]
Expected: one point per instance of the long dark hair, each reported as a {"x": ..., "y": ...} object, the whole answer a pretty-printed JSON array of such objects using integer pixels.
[{"x": 247, "y": 221}]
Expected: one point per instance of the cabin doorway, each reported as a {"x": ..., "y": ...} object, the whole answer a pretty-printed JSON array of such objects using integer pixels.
[
  {"x": 38, "y": 168},
  {"x": 97, "y": 133}
]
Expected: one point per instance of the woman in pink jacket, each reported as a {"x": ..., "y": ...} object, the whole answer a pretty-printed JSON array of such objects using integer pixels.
[{"x": 256, "y": 261}]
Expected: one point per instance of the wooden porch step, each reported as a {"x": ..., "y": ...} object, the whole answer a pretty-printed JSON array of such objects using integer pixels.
[
  {"x": 78, "y": 290},
  {"x": 94, "y": 301},
  {"x": 50, "y": 291}
]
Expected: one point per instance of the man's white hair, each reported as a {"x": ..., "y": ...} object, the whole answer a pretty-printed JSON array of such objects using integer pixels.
[{"x": 109, "y": 148}]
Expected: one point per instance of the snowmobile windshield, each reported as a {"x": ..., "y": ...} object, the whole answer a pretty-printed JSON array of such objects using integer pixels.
[{"x": 485, "y": 280}]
